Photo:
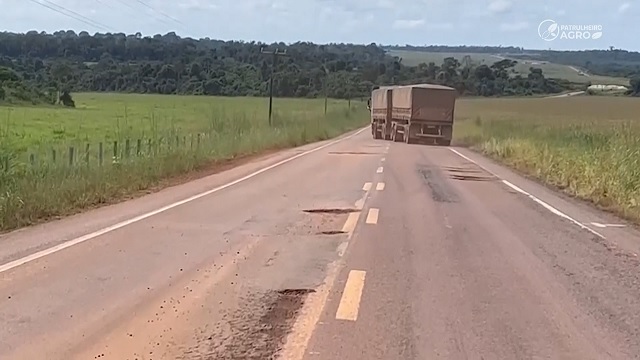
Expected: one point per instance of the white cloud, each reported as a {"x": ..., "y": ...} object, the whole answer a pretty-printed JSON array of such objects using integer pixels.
[
  {"x": 385, "y": 4},
  {"x": 514, "y": 26},
  {"x": 195, "y": 5},
  {"x": 500, "y": 6},
  {"x": 463, "y": 22},
  {"x": 441, "y": 26},
  {"x": 407, "y": 24},
  {"x": 624, "y": 7}
]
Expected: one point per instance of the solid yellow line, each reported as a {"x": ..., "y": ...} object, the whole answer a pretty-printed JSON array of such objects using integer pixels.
[
  {"x": 380, "y": 186},
  {"x": 350, "y": 302},
  {"x": 367, "y": 186},
  {"x": 351, "y": 222},
  {"x": 372, "y": 216}
]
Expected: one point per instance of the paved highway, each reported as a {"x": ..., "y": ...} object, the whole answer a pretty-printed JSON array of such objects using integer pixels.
[{"x": 348, "y": 249}]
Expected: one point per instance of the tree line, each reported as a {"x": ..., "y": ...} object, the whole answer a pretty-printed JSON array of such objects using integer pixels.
[
  {"x": 37, "y": 67},
  {"x": 610, "y": 62}
]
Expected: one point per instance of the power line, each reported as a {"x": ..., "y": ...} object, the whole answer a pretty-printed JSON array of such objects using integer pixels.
[
  {"x": 137, "y": 10},
  {"x": 61, "y": 10},
  {"x": 126, "y": 4},
  {"x": 105, "y": 4},
  {"x": 160, "y": 12}
]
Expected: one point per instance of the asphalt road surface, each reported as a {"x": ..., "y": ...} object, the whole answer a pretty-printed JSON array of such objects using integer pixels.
[{"x": 349, "y": 249}]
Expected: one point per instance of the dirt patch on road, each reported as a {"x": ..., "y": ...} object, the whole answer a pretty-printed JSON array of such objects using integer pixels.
[{"x": 257, "y": 330}]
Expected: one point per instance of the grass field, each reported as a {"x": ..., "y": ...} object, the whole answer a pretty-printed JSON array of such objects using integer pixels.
[
  {"x": 549, "y": 69},
  {"x": 587, "y": 146},
  {"x": 56, "y": 161}
]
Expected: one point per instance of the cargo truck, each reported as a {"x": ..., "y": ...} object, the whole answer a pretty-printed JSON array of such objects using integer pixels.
[
  {"x": 422, "y": 113},
  {"x": 381, "y": 106}
]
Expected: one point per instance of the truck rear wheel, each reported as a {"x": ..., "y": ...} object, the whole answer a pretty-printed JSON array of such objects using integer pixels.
[
  {"x": 387, "y": 135},
  {"x": 395, "y": 135}
]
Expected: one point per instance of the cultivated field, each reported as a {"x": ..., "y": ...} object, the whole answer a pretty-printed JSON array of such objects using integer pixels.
[
  {"x": 587, "y": 146},
  {"x": 55, "y": 161},
  {"x": 549, "y": 69}
]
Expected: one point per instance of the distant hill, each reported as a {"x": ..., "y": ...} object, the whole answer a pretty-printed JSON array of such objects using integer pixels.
[
  {"x": 612, "y": 63},
  {"x": 550, "y": 69}
]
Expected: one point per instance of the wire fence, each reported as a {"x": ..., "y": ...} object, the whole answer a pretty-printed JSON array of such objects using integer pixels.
[{"x": 103, "y": 153}]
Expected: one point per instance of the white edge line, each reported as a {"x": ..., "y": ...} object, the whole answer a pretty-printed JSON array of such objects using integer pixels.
[
  {"x": 535, "y": 199},
  {"x": 40, "y": 254}
]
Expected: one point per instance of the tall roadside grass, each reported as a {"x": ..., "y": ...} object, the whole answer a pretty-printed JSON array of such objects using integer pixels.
[
  {"x": 587, "y": 146},
  {"x": 42, "y": 178}
]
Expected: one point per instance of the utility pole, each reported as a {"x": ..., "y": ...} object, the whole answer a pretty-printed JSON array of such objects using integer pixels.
[
  {"x": 326, "y": 95},
  {"x": 275, "y": 55}
]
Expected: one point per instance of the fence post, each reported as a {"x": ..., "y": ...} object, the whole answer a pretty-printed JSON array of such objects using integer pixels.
[
  {"x": 71, "y": 155},
  {"x": 177, "y": 142},
  {"x": 198, "y": 144},
  {"x": 32, "y": 159},
  {"x": 150, "y": 147},
  {"x": 191, "y": 138},
  {"x": 115, "y": 150},
  {"x": 53, "y": 155},
  {"x": 127, "y": 148},
  {"x": 100, "y": 154},
  {"x": 138, "y": 147},
  {"x": 86, "y": 154}
]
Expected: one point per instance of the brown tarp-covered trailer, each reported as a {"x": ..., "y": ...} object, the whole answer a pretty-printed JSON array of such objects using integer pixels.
[
  {"x": 423, "y": 112},
  {"x": 381, "y": 107},
  {"x": 379, "y": 99},
  {"x": 424, "y": 102}
]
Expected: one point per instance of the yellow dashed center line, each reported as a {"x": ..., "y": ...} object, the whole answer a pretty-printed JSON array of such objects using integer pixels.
[
  {"x": 350, "y": 301},
  {"x": 372, "y": 216},
  {"x": 351, "y": 222},
  {"x": 380, "y": 186}
]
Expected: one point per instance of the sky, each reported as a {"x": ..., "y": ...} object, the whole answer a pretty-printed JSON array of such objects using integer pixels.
[{"x": 387, "y": 22}]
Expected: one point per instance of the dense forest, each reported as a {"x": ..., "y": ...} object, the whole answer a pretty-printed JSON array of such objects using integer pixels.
[
  {"x": 611, "y": 62},
  {"x": 37, "y": 66}
]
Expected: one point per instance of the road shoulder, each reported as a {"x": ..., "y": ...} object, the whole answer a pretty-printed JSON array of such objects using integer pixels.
[{"x": 621, "y": 234}]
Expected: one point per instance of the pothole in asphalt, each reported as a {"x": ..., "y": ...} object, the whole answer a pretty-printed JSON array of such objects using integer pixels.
[
  {"x": 471, "y": 178},
  {"x": 298, "y": 292},
  {"x": 256, "y": 330},
  {"x": 460, "y": 170},
  {"x": 330, "y": 211},
  {"x": 331, "y": 232}
]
